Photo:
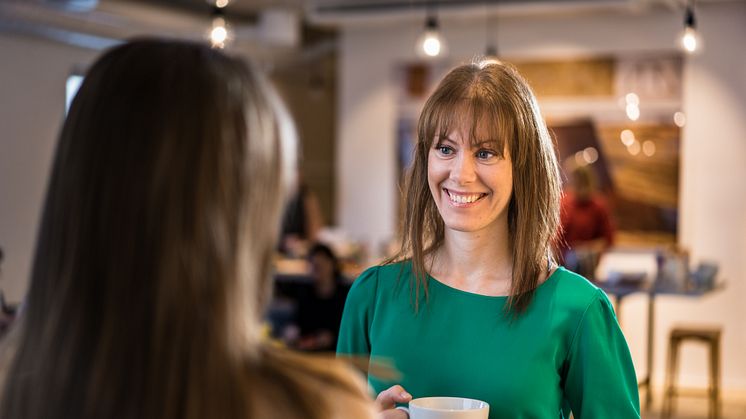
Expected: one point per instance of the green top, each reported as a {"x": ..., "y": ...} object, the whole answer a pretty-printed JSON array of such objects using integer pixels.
[{"x": 566, "y": 351}]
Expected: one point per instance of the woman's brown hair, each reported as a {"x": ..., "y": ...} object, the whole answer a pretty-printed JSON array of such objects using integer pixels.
[
  {"x": 152, "y": 266},
  {"x": 489, "y": 94}
]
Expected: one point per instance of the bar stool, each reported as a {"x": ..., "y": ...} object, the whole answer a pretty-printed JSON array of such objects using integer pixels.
[{"x": 710, "y": 336}]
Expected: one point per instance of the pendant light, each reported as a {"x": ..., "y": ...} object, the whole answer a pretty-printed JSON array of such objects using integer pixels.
[
  {"x": 689, "y": 37},
  {"x": 219, "y": 33},
  {"x": 489, "y": 31},
  {"x": 430, "y": 44}
]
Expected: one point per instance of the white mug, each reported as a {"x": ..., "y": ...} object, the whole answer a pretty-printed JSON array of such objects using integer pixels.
[{"x": 448, "y": 408}]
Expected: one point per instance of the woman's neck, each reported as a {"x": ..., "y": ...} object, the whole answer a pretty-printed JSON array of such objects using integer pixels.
[{"x": 479, "y": 262}]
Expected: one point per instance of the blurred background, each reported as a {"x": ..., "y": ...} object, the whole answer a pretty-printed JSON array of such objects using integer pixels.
[{"x": 649, "y": 96}]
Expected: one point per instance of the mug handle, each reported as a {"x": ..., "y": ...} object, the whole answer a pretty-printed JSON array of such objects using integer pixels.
[{"x": 404, "y": 408}]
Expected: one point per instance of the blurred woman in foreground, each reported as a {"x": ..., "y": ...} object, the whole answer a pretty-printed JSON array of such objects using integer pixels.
[{"x": 152, "y": 265}]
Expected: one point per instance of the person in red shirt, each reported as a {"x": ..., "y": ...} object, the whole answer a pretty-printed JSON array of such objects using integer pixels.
[{"x": 587, "y": 227}]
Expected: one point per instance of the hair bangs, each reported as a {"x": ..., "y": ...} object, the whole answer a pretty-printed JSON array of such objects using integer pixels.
[{"x": 475, "y": 116}]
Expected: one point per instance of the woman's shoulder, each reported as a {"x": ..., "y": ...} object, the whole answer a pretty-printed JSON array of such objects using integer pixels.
[
  {"x": 574, "y": 291},
  {"x": 384, "y": 273}
]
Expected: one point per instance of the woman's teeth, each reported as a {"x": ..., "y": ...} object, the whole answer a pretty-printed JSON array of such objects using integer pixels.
[{"x": 464, "y": 199}]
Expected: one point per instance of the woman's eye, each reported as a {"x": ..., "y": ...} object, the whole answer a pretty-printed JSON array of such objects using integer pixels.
[
  {"x": 445, "y": 150},
  {"x": 484, "y": 154}
]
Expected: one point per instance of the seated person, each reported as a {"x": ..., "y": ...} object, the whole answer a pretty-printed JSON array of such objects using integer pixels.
[
  {"x": 301, "y": 221},
  {"x": 319, "y": 305},
  {"x": 587, "y": 228}
]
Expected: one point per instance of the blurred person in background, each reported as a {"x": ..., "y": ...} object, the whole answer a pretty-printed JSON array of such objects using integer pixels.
[
  {"x": 301, "y": 221},
  {"x": 587, "y": 227},
  {"x": 319, "y": 306},
  {"x": 474, "y": 304},
  {"x": 152, "y": 264}
]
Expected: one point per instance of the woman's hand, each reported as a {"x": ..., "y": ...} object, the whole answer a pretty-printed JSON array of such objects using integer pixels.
[{"x": 388, "y": 399}]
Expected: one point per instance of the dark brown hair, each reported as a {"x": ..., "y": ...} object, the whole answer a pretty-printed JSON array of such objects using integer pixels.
[
  {"x": 152, "y": 268},
  {"x": 490, "y": 94}
]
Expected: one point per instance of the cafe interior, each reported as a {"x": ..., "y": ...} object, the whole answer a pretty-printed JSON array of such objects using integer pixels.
[{"x": 647, "y": 96}]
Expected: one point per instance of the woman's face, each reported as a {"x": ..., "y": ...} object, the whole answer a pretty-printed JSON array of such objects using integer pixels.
[{"x": 471, "y": 185}]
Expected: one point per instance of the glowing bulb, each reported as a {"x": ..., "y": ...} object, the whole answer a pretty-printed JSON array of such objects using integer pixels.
[
  {"x": 579, "y": 160},
  {"x": 590, "y": 155},
  {"x": 632, "y": 99},
  {"x": 219, "y": 33},
  {"x": 633, "y": 112},
  {"x": 689, "y": 39},
  {"x": 634, "y": 148},
  {"x": 221, "y": 3},
  {"x": 218, "y": 36},
  {"x": 431, "y": 45},
  {"x": 648, "y": 147},
  {"x": 628, "y": 137},
  {"x": 679, "y": 119}
]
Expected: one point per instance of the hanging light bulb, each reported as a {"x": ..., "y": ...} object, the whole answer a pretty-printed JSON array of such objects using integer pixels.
[
  {"x": 430, "y": 44},
  {"x": 219, "y": 34},
  {"x": 490, "y": 49},
  {"x": 218, "y": 3},
  {"x": 689, "y": 37}
]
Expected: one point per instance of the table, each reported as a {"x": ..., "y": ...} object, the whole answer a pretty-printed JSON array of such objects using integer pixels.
[{"x": 620, "y": 290}]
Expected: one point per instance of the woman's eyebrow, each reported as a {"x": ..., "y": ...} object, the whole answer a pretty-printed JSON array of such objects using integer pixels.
[
  {"x": 488, "y": 142},
  {"x": 445, "y": 138}
]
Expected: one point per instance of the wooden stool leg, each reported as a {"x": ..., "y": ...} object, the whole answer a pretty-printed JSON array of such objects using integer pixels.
[
  {"x": 668, "y": 388},
  {"x": 715, "y": 379},
  {"x": 675, "y": 378}
]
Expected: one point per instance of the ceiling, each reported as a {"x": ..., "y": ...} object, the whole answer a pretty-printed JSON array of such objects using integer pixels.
[{"x": 265, "y": 25}]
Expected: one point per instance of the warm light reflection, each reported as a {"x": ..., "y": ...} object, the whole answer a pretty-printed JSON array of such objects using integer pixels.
[
  {"x": 221, "y": 3},
  {"x": 648, "y": 148},
  {"x": 634, "y": 148},
  {"x": 590, "y": 155},
  {"x": 632, "y": 99},
  {"x": 633, "y": 112},
  {"x": 679, "y": 119},
  {"x": 627, "y": 137},
  {"x": 579, "y": 160}
]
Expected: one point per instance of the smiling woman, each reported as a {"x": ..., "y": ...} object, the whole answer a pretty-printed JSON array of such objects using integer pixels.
[
  {"x": 474, "y": 304},
  {"x": 471, "y": 186}
]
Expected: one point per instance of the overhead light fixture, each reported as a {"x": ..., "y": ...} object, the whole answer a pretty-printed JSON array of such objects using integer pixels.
[
  {"x": 430, "y": 44},
  {"x": 218, "y": 3},
  {"x": 490, "y": 41},
  {"x": 219, "y": 34},
  {"x": 690, "y": 37}
]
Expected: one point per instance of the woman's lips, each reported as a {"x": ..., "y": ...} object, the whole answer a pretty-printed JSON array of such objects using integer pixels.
[{"x": 464, "y": 198}]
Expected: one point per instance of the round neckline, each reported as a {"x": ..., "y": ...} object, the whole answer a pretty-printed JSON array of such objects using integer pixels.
[{"x": 490, "y": 297}]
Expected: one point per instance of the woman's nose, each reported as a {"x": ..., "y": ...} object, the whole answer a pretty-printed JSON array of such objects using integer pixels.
[{"x": 464, "y": 169}]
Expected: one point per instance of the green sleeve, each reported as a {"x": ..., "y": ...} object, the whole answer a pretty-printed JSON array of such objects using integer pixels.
[
  {"x": 600, "y": 379},
  {"x": 354, "y": 336}
]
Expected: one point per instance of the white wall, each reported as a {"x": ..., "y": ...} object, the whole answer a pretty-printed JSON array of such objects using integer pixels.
[
  {"x": 32, "y": 105},
  {"x": 713, "y": 202}
]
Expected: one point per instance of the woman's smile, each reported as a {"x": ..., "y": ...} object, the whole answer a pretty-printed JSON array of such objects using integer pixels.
[{"x": 464, "y": 199}]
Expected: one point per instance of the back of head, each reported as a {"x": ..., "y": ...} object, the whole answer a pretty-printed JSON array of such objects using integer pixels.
[{"x": 152, "y": 260}]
